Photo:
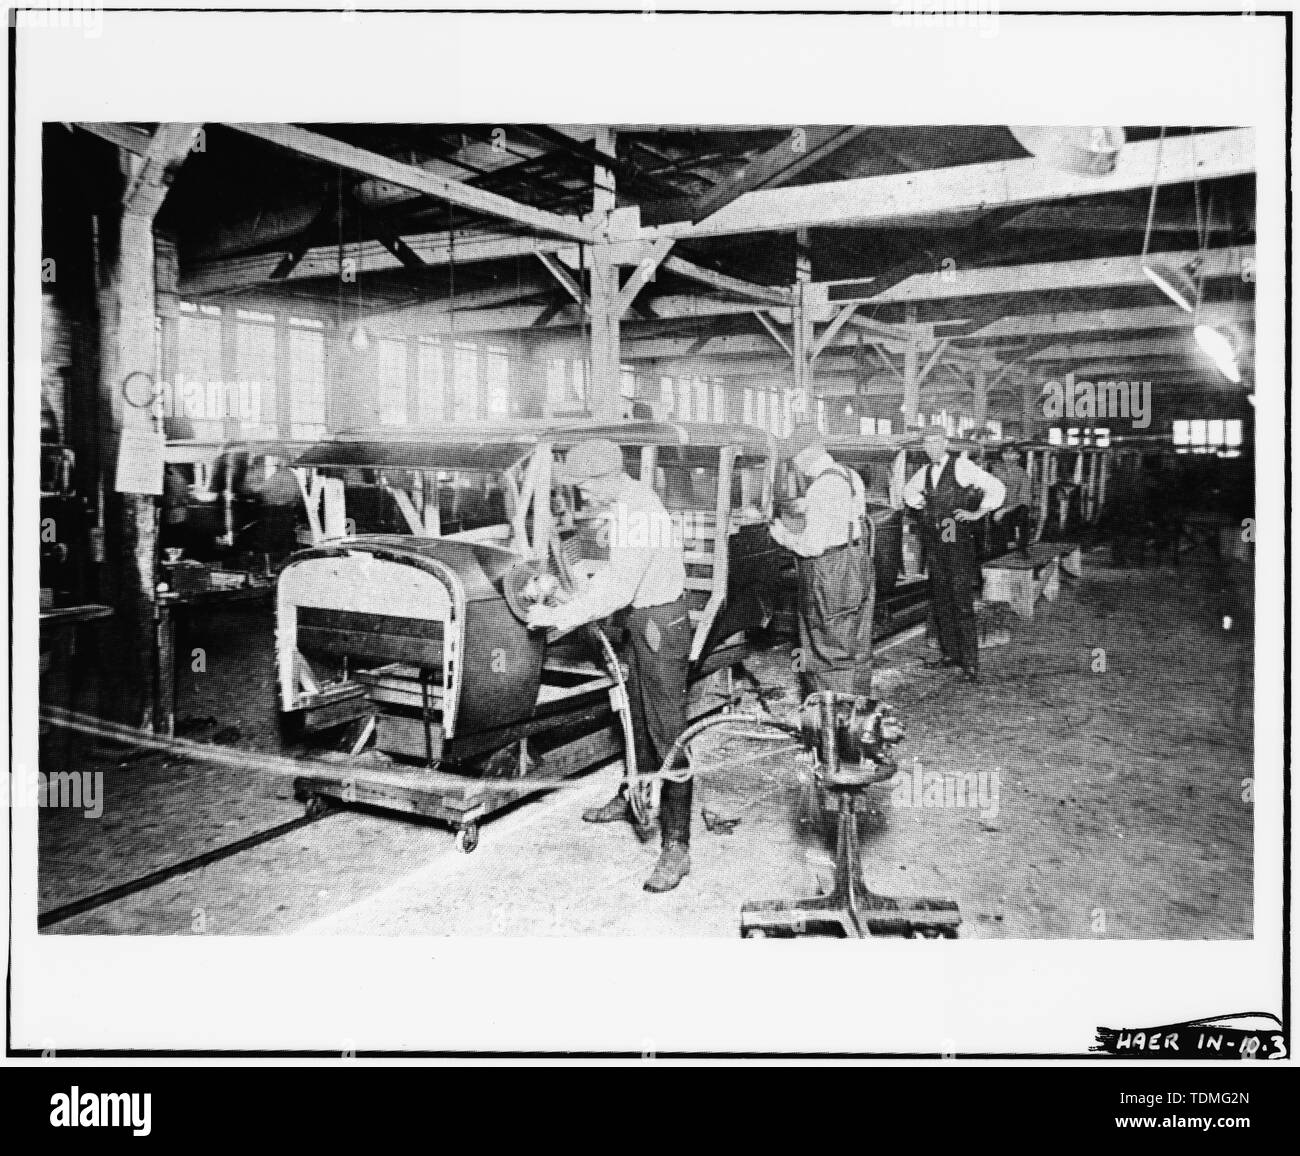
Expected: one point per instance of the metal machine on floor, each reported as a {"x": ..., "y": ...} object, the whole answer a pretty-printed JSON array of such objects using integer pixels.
[{"x": 853, "y": 740}]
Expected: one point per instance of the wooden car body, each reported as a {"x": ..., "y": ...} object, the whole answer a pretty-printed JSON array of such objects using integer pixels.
[{"x": 407, "y": 586}]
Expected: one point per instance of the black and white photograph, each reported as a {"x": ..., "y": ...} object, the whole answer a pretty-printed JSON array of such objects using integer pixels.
[{"x": 513, "y": 513}]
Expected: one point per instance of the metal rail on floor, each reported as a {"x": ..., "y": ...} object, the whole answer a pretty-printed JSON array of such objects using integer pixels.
[{"x": 144, "y": 882}]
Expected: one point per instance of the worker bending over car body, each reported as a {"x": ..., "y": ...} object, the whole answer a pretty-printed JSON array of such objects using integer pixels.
[
  {"x": 650, "y": 578},
  {"x": 950, "y": 494},
  {"x": 837, "y": 576}
]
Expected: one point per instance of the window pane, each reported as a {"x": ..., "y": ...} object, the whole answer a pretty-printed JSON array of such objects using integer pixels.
[
  {"x": 1232, "y": 431},
  {"x": 700, "y": 399},
  {"x": 684, "y": 399},
  {"x": 884, "y": 426},
  {"x": 580, "y": 375},
  {"x": 760, "y": 409},
  {"x": 498, "y": 380},
  {"x": 200, "y": 364},
  {"x": 627, "y": 382},
  {"x": 556, "y": 388},
  {"x": 431, "y": 384},
  {"x": 667, "y": 396},
  {"x": 1214, "y": 431},
  {"x": 252, "y": 400},
  {"x": 1198, "y": 431},
  {"x": 306, "y": 383},
  {"x": 392, "y": 381},
  {"x": 1054, "y": 435},
  {"x": 465, "y": 392},
  {"x": 719, "y": 402}
]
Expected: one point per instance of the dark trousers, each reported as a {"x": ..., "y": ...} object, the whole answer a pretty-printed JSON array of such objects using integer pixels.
[
  {"x": 954, "y": 575},
  {"x": 658, "y": 658},
  {"x": 864, "y": 658},
  {"x": 837, "y": 598},
  {"x": 1012, "y": 532}
]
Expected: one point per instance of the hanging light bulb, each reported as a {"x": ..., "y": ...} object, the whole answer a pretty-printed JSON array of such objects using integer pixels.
[
  {"x": 360, "y": 339},
  {"x": 1215, "y": 345}
]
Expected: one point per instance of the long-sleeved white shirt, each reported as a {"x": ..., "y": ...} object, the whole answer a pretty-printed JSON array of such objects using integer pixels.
[
  {"x": 646, "y": 564},
  {"x": 966, "y": 473},
  {"x": 831, "y": 507}
]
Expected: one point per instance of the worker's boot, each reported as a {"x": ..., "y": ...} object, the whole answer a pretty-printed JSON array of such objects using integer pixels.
[
  {"x": 673, "y": 866},
  {"x": 618, "y": 808}
]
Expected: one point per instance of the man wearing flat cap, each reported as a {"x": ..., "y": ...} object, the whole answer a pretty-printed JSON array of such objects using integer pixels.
[
  {"x": 837, "y": 578},
  {"x": 647, "y": 573}
]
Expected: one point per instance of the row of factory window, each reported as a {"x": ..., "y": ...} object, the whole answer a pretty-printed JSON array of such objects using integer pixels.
[
  {"x": 413, "y": 377},
  {"x": 1190, "y": 435},
  {"x": 427, "y": 381}
]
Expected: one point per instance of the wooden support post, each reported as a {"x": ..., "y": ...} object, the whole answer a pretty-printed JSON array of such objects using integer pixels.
[
  {"x": 804, "y": 337},
  {"x": 603, "y": 396},
  {"x": 981, "y": 410},
  {"x": 128, "y": 350},
  {"x": 911, "y": 376}
]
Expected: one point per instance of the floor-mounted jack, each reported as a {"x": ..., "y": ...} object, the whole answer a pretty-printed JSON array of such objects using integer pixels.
[{"x": 853, "y": 739}]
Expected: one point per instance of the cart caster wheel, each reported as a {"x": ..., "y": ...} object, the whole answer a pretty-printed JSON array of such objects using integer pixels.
[
  {"x": 755, "y": 933},
  {"x": 316, "y": 806},
  {"x": 467, "y": 839}
]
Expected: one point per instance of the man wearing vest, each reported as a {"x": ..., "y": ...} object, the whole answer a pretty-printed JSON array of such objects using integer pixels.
[
  {"x": 837, "y": 578},
  {"x": 950, "y": 494},
  {"x": 650, "y": 577}
]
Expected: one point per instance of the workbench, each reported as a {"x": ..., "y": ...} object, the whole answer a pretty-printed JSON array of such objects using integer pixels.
[
  {"x": 166, "y": 606},
  {"x": 59, "y": 682}
]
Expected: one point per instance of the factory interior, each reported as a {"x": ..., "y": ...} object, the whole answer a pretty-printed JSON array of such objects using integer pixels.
[{"x": 309, "y": 397}]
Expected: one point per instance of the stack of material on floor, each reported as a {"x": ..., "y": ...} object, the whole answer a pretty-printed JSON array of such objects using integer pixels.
[{"x": 1019, "y": 580}]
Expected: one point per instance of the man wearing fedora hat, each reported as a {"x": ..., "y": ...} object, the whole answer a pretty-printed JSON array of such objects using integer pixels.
[
  {"x": 647, "y": 573},
  {"x": 837, "y": 578}
]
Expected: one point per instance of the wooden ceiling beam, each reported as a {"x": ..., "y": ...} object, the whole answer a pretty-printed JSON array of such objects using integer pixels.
[
  {"x": 807, "y": 145},
  {"x": 327, "y": 149},
  {"x": 971, "y": 188},
  {"x": 1048, "y": 277}
]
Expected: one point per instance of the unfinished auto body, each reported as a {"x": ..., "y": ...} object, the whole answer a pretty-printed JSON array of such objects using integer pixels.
[{"x": 408, "y": 608}]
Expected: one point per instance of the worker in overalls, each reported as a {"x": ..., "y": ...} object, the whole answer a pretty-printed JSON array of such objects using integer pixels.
[
  {"x": 837, "y": 578},
  {"x": 647, "y": 573},
  {"x": 951, "y": 493}
]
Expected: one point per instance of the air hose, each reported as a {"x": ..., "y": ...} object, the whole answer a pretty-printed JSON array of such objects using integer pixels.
[
  {"x": 677, "y": 774},
  {"x": 640, "y": 796}
]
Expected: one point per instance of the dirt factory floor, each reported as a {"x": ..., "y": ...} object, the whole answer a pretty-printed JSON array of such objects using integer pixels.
[{"x": 1103, "y": 756}]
